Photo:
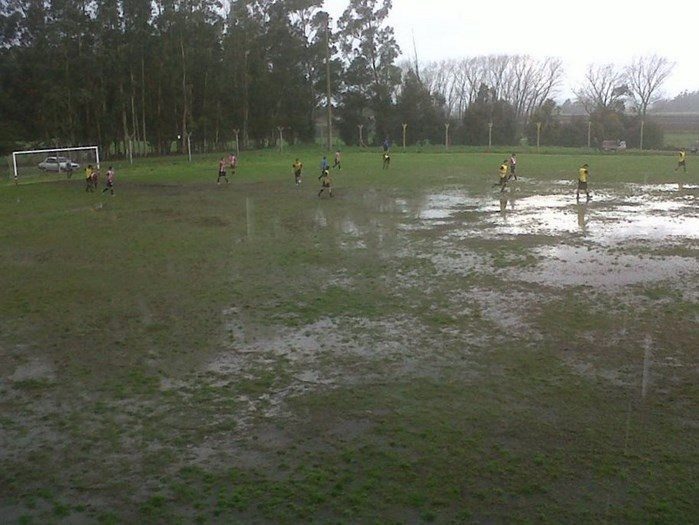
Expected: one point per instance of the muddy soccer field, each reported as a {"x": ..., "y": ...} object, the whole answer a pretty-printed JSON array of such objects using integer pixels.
[{"x": 418, "y": 348}]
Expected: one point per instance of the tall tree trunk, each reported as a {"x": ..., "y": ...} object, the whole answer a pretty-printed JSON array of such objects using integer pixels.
[
  {"x": 184, "y": 97},
  {"x": 124, "y": 119},
  {"x": 134, "y": 121},
  {"x": 143, "y": 105}
]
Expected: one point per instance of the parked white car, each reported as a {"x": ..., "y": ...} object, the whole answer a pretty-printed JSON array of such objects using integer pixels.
[{"x": 58, "y": 164}]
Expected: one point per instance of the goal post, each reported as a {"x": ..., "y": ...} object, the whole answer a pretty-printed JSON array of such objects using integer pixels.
[{"x": 58, "y": 160}]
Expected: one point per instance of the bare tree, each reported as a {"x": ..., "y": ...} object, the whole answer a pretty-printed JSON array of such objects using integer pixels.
[
  {"x": 644, "y": 77},
  {"x": 520, "y": 80},
  {"x": 604, "y": 88}
]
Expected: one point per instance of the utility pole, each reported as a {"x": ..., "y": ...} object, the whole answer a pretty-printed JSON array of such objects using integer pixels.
[
  {"x": 327, "y": 80},
  {"x": 237, "y": 144}
]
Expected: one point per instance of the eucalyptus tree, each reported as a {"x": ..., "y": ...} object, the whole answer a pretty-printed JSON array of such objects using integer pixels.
[{"x": 370, "y": 50}]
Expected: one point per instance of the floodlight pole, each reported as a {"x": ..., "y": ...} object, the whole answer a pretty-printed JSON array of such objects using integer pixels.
[
  {"x": 641, "y": 139},
  {"x": 490, "y": 135},
  {"x": 405, "y": 126}
]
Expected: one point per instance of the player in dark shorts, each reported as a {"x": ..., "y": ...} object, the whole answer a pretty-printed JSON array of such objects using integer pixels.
[
  {"x": 682, "y": 160},
  {"x": 583, "y": 176},
  {"x": 88, "y": 179},
  {"x": 110, "y": 181},
  {"x": 326, "y": 183},
  {"x": 503, "y": 175},
  {"x": 338, "y": 161},
  {"x": 386, "y": 160},
  {"x": 298, "y": 169},
  {"x": 513, "y": 167},
  {"x": 221, "y": 171}
]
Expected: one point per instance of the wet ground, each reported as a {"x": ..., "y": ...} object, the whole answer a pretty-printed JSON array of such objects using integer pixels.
[{"x": 371, "y": 292}]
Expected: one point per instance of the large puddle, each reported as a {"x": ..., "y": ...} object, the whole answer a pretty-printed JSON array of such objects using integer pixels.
[
  {"x": 611, "y": 240},
  {"x": 660, "y": 213}
]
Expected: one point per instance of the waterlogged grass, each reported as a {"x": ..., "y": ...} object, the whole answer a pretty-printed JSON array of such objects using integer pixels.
[{"x": 184, "y": 352}]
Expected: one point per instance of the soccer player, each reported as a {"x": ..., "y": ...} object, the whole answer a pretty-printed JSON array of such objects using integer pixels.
[
  {"x": 503, "y": 175},
  {"x": 95, "y": 177},
  {"x": 88, "y": 179},
  {"x": 338, "y": 163},
  {"x": 110, "y": 181},
  {"x": 326, "y": 183},
  {"x": 513, "y": 167},
  {"x": 386, "y": 145},
  {"x": 386, "y": 160},
  {"x": 221, "y": 171},
  {"x": 583, "y": 176},
  {"x": 298, "y": 169},
  {"x": 324, "y": 165},
  {"x": 682, "y": 160}
]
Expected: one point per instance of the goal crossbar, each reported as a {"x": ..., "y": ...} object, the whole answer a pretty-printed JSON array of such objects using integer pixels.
[{"x": 54, "y": 150}]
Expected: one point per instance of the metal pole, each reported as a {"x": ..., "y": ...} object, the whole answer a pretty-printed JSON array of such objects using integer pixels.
[
  {"x": 490, "y": 135},
  {"x": 446, "y": 135},
  {"x": 538, "y": 135},
  {"x": 14, "y": 164},
  {"x": 97, "y": 156},
  {"x": 281, "y": 138},
  {"x": 189, "y": 145},
  {"x": 405, "y": 126},
  {"x": 641, "y": 141}
]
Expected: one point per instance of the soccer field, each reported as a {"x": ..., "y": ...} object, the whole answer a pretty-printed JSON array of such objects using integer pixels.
[{"x": 418, "y": 348}]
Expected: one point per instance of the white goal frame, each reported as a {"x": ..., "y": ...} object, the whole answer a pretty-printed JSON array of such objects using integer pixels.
[{"x": 53, "y": 150}]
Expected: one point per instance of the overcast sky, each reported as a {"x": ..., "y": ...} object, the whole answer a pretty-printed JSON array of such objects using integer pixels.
[{"x": 580, "y": 33}]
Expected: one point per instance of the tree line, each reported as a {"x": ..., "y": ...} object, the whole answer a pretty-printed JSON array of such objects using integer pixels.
[{"x": 154, "y": 74}]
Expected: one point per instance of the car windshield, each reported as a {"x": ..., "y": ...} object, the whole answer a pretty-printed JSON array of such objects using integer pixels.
[
  {"x": 50, "y": 159},
  {"x": 63, "y": 159}
]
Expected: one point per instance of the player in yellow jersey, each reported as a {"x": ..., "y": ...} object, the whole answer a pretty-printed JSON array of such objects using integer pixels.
[
  {"x": 583, "y": 176},
  {"x": 682, "y": 160},
  {"x": 89, "y": 172},
  {"x": 504, "y": 168},
  {"x": 298, "y": 169}
]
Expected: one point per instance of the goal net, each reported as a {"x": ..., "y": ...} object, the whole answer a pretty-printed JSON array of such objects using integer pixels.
[{"x": 53, "y": 163}]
